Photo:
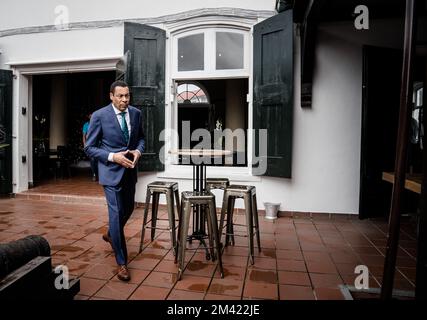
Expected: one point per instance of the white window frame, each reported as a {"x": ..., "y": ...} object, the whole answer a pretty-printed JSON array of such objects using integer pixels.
[
  {"x": 210, "y": 71},
  {"x": 209, "y": 27}
]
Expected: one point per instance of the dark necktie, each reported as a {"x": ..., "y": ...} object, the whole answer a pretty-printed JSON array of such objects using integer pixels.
[{"x": 124, "y": 127}]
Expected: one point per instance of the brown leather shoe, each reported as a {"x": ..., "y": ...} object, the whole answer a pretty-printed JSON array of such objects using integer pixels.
[
  {"x": 123, "y": 273},
  {"x": 107, "y": 238}
]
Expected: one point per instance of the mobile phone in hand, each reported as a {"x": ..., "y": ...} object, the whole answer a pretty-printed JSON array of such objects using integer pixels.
[{"x": 129, "y": 156}]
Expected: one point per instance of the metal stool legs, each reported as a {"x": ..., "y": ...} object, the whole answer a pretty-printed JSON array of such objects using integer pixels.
[
  {"x": 248, "y": 194},
  {"x": 155, "y": 189},
  {"x": 147, "y": 205},
  {"x": 207, "y": 200},
  {"x": 183, "y": 231},
  {"x": 256, "y": 221},
  {"x": 249, "y": 226},
  {"x": 216, "y": 237}
]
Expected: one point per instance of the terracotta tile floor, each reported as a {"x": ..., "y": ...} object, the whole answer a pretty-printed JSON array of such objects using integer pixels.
[{"x": 301, "y": 258}]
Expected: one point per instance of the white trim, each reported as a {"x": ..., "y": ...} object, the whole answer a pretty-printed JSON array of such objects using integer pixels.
[
  {"x": 30, "y": 158},
  {"x": 249, "y": 100},
  {"x": 65, "y": 66},
  {"x": 196, "y": 75},
  {"x": 212, "y": 21},
  {"x": 175, "y": 21},
  {"x": 20, "y": 132},
  {"x": 22, "y": 96}
]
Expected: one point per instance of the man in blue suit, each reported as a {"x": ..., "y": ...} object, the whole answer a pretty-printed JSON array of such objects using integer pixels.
[{"x": 115, "y": 138}]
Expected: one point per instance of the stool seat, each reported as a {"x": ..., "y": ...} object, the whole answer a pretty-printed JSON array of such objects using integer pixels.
[
  {"x": 197, "y": 195},
  {"x": 240, "y": 188},
  {"x": 217, "y": 183},
  {"x": 163, "y": 184}
]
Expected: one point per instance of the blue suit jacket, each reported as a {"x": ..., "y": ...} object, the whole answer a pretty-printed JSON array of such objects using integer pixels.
[{"x": 105, "y": 136}]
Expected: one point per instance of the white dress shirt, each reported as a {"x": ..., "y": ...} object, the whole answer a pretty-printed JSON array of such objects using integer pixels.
[{"x": 119, "y": 117}]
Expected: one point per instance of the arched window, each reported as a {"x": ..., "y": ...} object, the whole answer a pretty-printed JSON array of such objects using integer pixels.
[
  {"x": 194, "y": 110},
  {"x": 191, "y": 93}
]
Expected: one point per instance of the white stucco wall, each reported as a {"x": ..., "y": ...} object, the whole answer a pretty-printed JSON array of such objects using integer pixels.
[
  {"x": 326, "y": 154},
  {"x": 49, "y": 52},
  {"x": 326, "y": 147},
  {"x": 64, "y": 45},
  {"x": 327, "y": 137},
  {"x": 21, "y": 13}
]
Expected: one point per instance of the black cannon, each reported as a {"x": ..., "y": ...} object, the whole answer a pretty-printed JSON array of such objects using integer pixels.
[
  {"x": 17, "y": 253},
  {"x": 26, "y": 272}
]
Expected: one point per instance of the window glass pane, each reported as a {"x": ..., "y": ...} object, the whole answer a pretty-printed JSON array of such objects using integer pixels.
[
  {"x": 191, "y": 52},
  {"x": 190, "y": 93},
  {"x": 229, "y": 50}
]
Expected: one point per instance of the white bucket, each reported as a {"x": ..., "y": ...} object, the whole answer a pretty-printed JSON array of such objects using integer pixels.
[{"x": 271, "y": 210}]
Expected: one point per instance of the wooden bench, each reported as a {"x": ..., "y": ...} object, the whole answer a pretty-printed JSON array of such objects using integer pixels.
[{"x": 412, "y": 181}]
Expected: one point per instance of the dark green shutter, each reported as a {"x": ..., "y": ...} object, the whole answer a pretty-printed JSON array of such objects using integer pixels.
[
  {"x": 5, "y": 132},
  {"x": 273, "y": 92},
  {"x": 145, "y": 47}
]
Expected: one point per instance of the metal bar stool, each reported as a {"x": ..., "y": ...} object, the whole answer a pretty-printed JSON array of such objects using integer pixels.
[
  {"x": 248, "y": 194},
  {"x": 155, "y": 189},
  {"x": 207, "y": 201}
]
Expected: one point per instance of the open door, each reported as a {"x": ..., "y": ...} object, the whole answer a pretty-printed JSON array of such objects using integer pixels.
[
  {"x": 380, "y": 112},
  {"x": 273, "y": 93},
  {"x": 5, "y": 132},
  {"x": 144, "y": 48}
]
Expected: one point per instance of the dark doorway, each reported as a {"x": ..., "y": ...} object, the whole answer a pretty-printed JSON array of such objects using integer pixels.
[
  {"x": 380, "y": 111},
  {"x": 80, "y": 94},
  {"x": 5, "y": 132}
]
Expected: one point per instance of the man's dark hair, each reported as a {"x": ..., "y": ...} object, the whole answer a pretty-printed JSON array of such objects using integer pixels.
[{"x": 117, "y": 84}]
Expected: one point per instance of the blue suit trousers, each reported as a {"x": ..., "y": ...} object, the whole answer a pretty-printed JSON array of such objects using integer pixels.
[{"x": 121, "y": 201}]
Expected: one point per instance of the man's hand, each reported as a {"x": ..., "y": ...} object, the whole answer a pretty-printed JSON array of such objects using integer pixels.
[
  {"x": 121, "y": 158},
  {"x": 136, "y": 155}
]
